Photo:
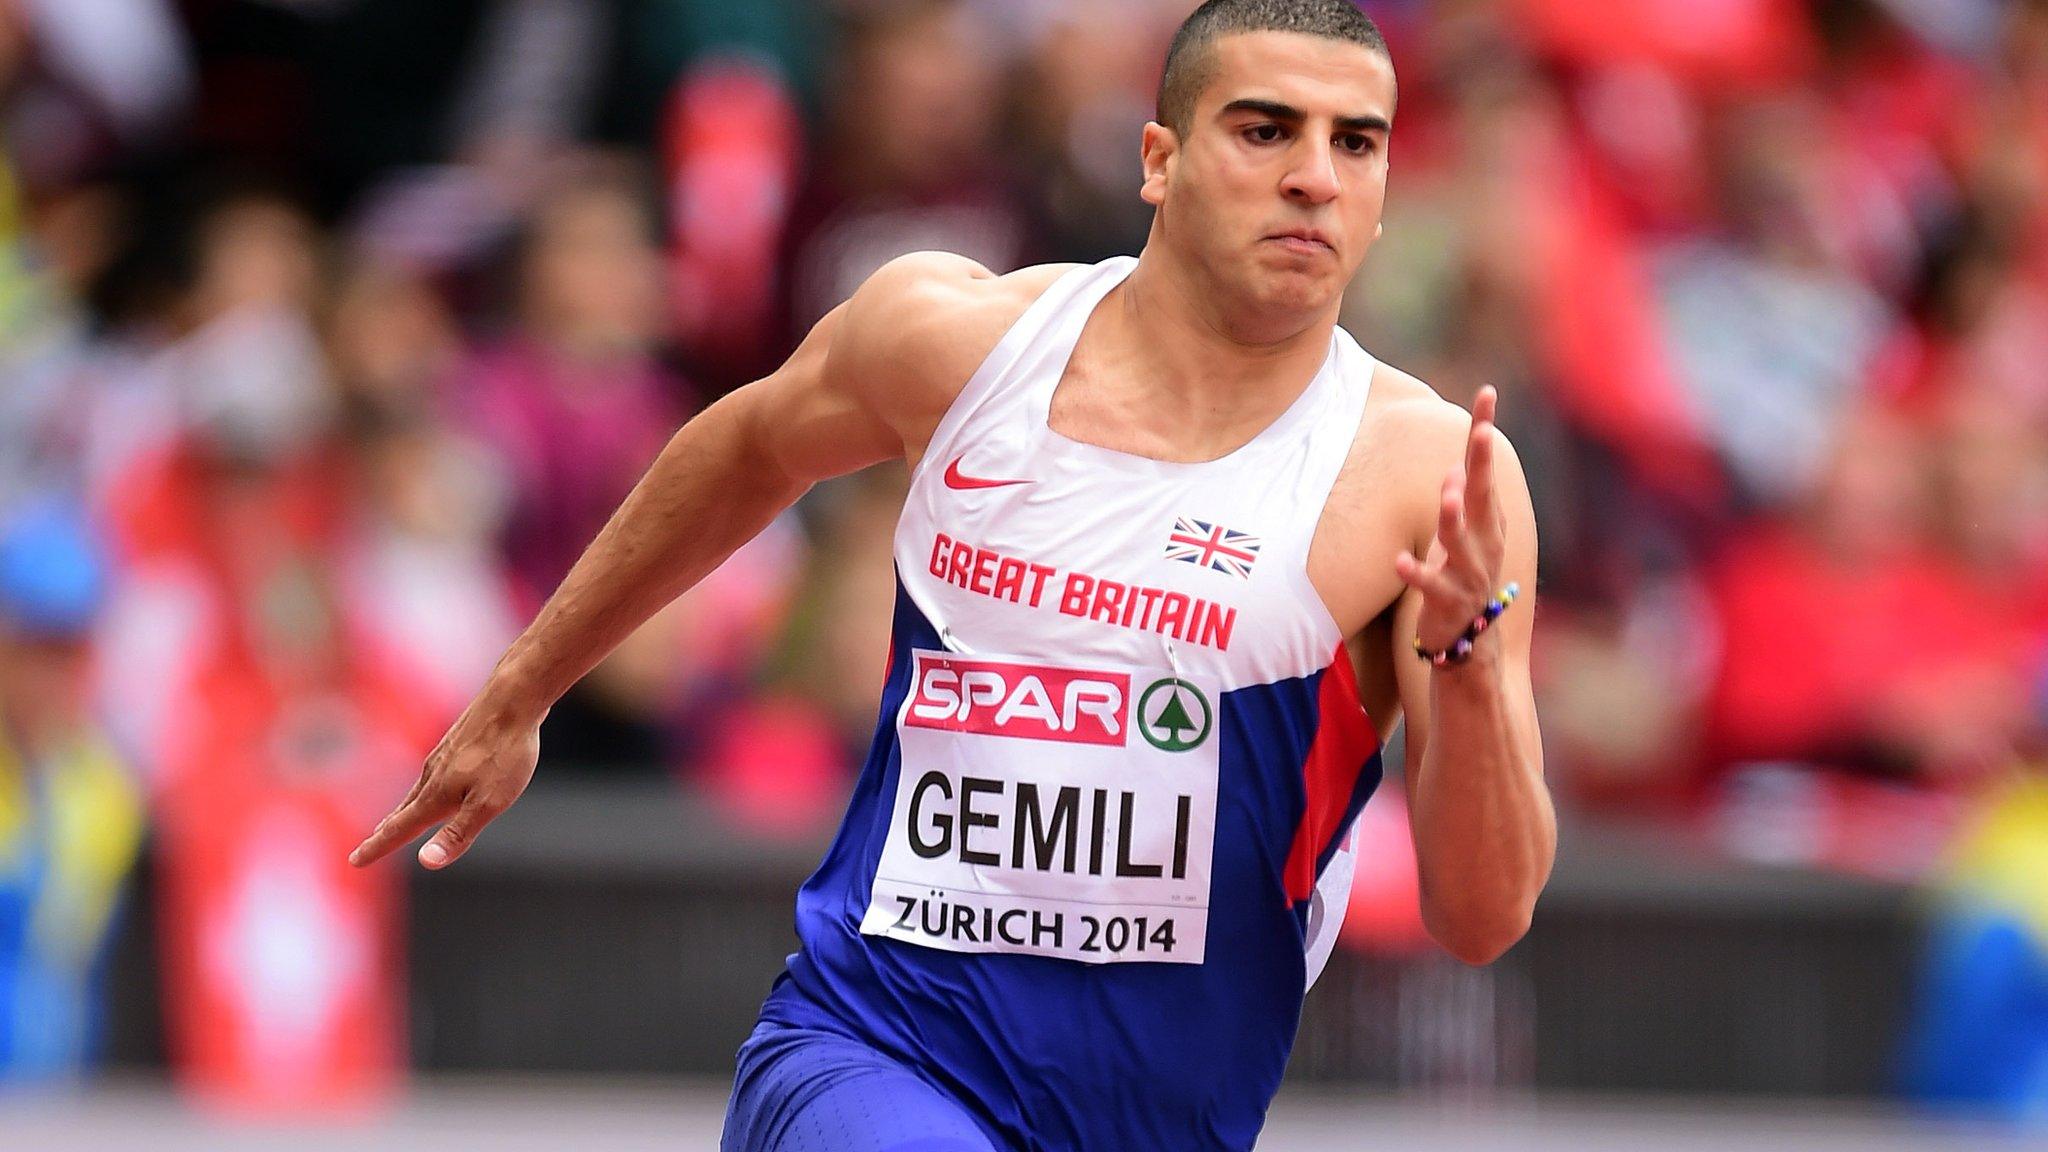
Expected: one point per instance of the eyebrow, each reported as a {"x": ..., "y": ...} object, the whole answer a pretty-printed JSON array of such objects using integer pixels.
[{"x": 1289, "y": 114}]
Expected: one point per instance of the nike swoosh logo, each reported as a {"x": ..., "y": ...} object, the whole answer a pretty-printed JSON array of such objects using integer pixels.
[{"x": 956, "y": 479}]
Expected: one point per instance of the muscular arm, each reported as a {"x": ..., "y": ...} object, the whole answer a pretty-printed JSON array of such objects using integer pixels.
[
  {"x": 1485, "y": 831},
  {"x": 867, "y": 384},
  {"x": 719, "y": 481}
]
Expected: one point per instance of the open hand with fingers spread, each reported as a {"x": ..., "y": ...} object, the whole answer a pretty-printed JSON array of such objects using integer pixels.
[
  {"x": 480, "y": 767},
  {"x": 1460, "y": 581}
]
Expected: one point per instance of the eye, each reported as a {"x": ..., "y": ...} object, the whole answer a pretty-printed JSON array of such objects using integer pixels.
[
  {"x": 1357, "y": 142},
  {"x": 1263, "y": 133}
]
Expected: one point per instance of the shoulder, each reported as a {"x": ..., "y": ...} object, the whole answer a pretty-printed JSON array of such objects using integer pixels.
[
  {"x": 935, "y": 314},
  {"x": 1388, "y": 496},
  {"x": 1408, "y": 438},
  {"x": 875, "y": 376},
  {"x": 916, "y": 331},
  {"x": 1407, "y": 418}
]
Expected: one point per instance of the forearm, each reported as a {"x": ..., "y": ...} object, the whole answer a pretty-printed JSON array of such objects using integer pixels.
[
  {"x": 1485, "y": 831},
  {"x": 709, "y": 491}
]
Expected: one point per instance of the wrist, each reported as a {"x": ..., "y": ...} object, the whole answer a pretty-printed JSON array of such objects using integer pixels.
[
  {"x": 514, "y": 695},
  {"x": 1461, "y": 648},
  {"x": 1483, "y": 665}
]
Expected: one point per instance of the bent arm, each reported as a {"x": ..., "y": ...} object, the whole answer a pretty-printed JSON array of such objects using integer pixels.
[
  {"x": 866, "y": 385},
  {"x": 854, "y": 393},
  {"x": 717, "y": 483},
  {"x": 1485, "y": 831}
]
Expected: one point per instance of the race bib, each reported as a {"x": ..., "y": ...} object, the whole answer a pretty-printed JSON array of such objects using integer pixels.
[{"x": 1051, "y": 811}]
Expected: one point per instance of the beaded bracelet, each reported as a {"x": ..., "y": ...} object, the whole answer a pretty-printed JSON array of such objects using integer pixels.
[{"x": 1461, "y": 648}]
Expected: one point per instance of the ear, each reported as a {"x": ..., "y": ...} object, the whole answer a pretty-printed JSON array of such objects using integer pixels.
[{"x": 1156, "y": 149}]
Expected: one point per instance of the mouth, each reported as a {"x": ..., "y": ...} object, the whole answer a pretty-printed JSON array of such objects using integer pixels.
[{"x": 1307, "y": 241}]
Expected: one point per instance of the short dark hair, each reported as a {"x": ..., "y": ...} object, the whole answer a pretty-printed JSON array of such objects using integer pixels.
[{"x": 1188, "y": 61}]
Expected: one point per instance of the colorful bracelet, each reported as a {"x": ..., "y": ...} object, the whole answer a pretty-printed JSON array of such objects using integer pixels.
[{"x": 1461, "y": 648}]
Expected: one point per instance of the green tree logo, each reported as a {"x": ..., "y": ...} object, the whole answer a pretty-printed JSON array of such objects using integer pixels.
[{"x": 1164, "y": 717}]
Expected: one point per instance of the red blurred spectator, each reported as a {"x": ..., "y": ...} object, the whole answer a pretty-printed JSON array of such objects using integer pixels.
[
  {"x": 1847, "y": 641},
  {"x": 246, "y": 670},
  {"x": 1729, "y": 42},
  {"x": 732, "y": 144}
]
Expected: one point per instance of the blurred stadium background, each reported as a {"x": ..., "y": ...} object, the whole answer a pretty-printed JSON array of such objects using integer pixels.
[{"x": 330, "y": 330}]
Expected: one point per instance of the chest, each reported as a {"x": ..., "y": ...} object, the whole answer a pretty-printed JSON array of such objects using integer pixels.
[
  {"x": 1095, "y": 406},
  {"x": 1069, "y": 550}
]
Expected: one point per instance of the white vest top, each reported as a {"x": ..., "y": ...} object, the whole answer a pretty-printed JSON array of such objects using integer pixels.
[
  {"x": 1048, "y": 555},
  {"x": 1094, "y": 857}
]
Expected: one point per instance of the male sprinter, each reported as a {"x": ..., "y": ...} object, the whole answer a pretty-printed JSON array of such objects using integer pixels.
[{"x": 1152, "y": 503}]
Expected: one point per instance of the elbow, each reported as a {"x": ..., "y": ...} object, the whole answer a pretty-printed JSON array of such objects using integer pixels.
[
  {"x": 1480, "y": 954},
  {"x": 1479, "y": 941},
  {"x": 760, "y": 470}
]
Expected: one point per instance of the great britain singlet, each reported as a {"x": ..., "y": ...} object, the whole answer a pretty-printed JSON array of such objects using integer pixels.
[{"x": 1077, "y": 885}]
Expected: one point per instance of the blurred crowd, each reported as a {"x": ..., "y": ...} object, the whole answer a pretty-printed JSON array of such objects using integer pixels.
[
  {"x": 331, "y": 331},
  {"x": 1766, "y": 299}
]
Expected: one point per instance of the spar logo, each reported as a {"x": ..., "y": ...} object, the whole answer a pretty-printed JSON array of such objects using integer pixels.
[
  {"x": 1028, "y": 701},
  {"x": 1174, "y": 716}
]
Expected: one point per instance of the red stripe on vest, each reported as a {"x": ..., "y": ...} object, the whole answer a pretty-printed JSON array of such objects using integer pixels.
[{"x": 1344, "y": 741}]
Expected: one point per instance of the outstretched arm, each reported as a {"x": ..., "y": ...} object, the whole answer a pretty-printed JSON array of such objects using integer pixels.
[
  {"x": 1485, "y": 831},
  {"x": 845, "y": 399}
]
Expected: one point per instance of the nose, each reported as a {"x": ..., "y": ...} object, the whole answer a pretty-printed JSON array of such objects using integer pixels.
[{"x": 1312, "y": 179}]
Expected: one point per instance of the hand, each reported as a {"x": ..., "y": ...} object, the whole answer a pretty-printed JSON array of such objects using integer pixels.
[
  {"x": 480, "y": 767},
  {"x": 1464, "y": 569}
]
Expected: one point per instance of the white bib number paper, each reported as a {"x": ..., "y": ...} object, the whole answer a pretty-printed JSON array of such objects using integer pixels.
[{"x": 1053, "y": 811}]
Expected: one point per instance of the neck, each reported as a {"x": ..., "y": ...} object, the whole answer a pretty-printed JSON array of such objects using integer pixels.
[{"x": 1224, "y": 366}]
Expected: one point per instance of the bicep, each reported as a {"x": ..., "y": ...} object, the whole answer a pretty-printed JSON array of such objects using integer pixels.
[
  {"x": 872, "y": 377},
  {"x": 814, "y": 418}
]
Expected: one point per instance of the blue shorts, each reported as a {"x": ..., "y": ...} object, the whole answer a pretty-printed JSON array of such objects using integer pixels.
[{"x": 802, "y": 1090}]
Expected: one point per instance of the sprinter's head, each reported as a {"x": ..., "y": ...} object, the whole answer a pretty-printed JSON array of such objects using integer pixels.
[{"x": 1268, "y": 158}]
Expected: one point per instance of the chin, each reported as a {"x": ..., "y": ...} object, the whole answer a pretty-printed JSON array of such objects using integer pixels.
[{"x": 1296, "y": 290}]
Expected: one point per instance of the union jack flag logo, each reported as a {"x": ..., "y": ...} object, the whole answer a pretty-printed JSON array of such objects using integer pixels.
[{"x": 1213, "y": 546}]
